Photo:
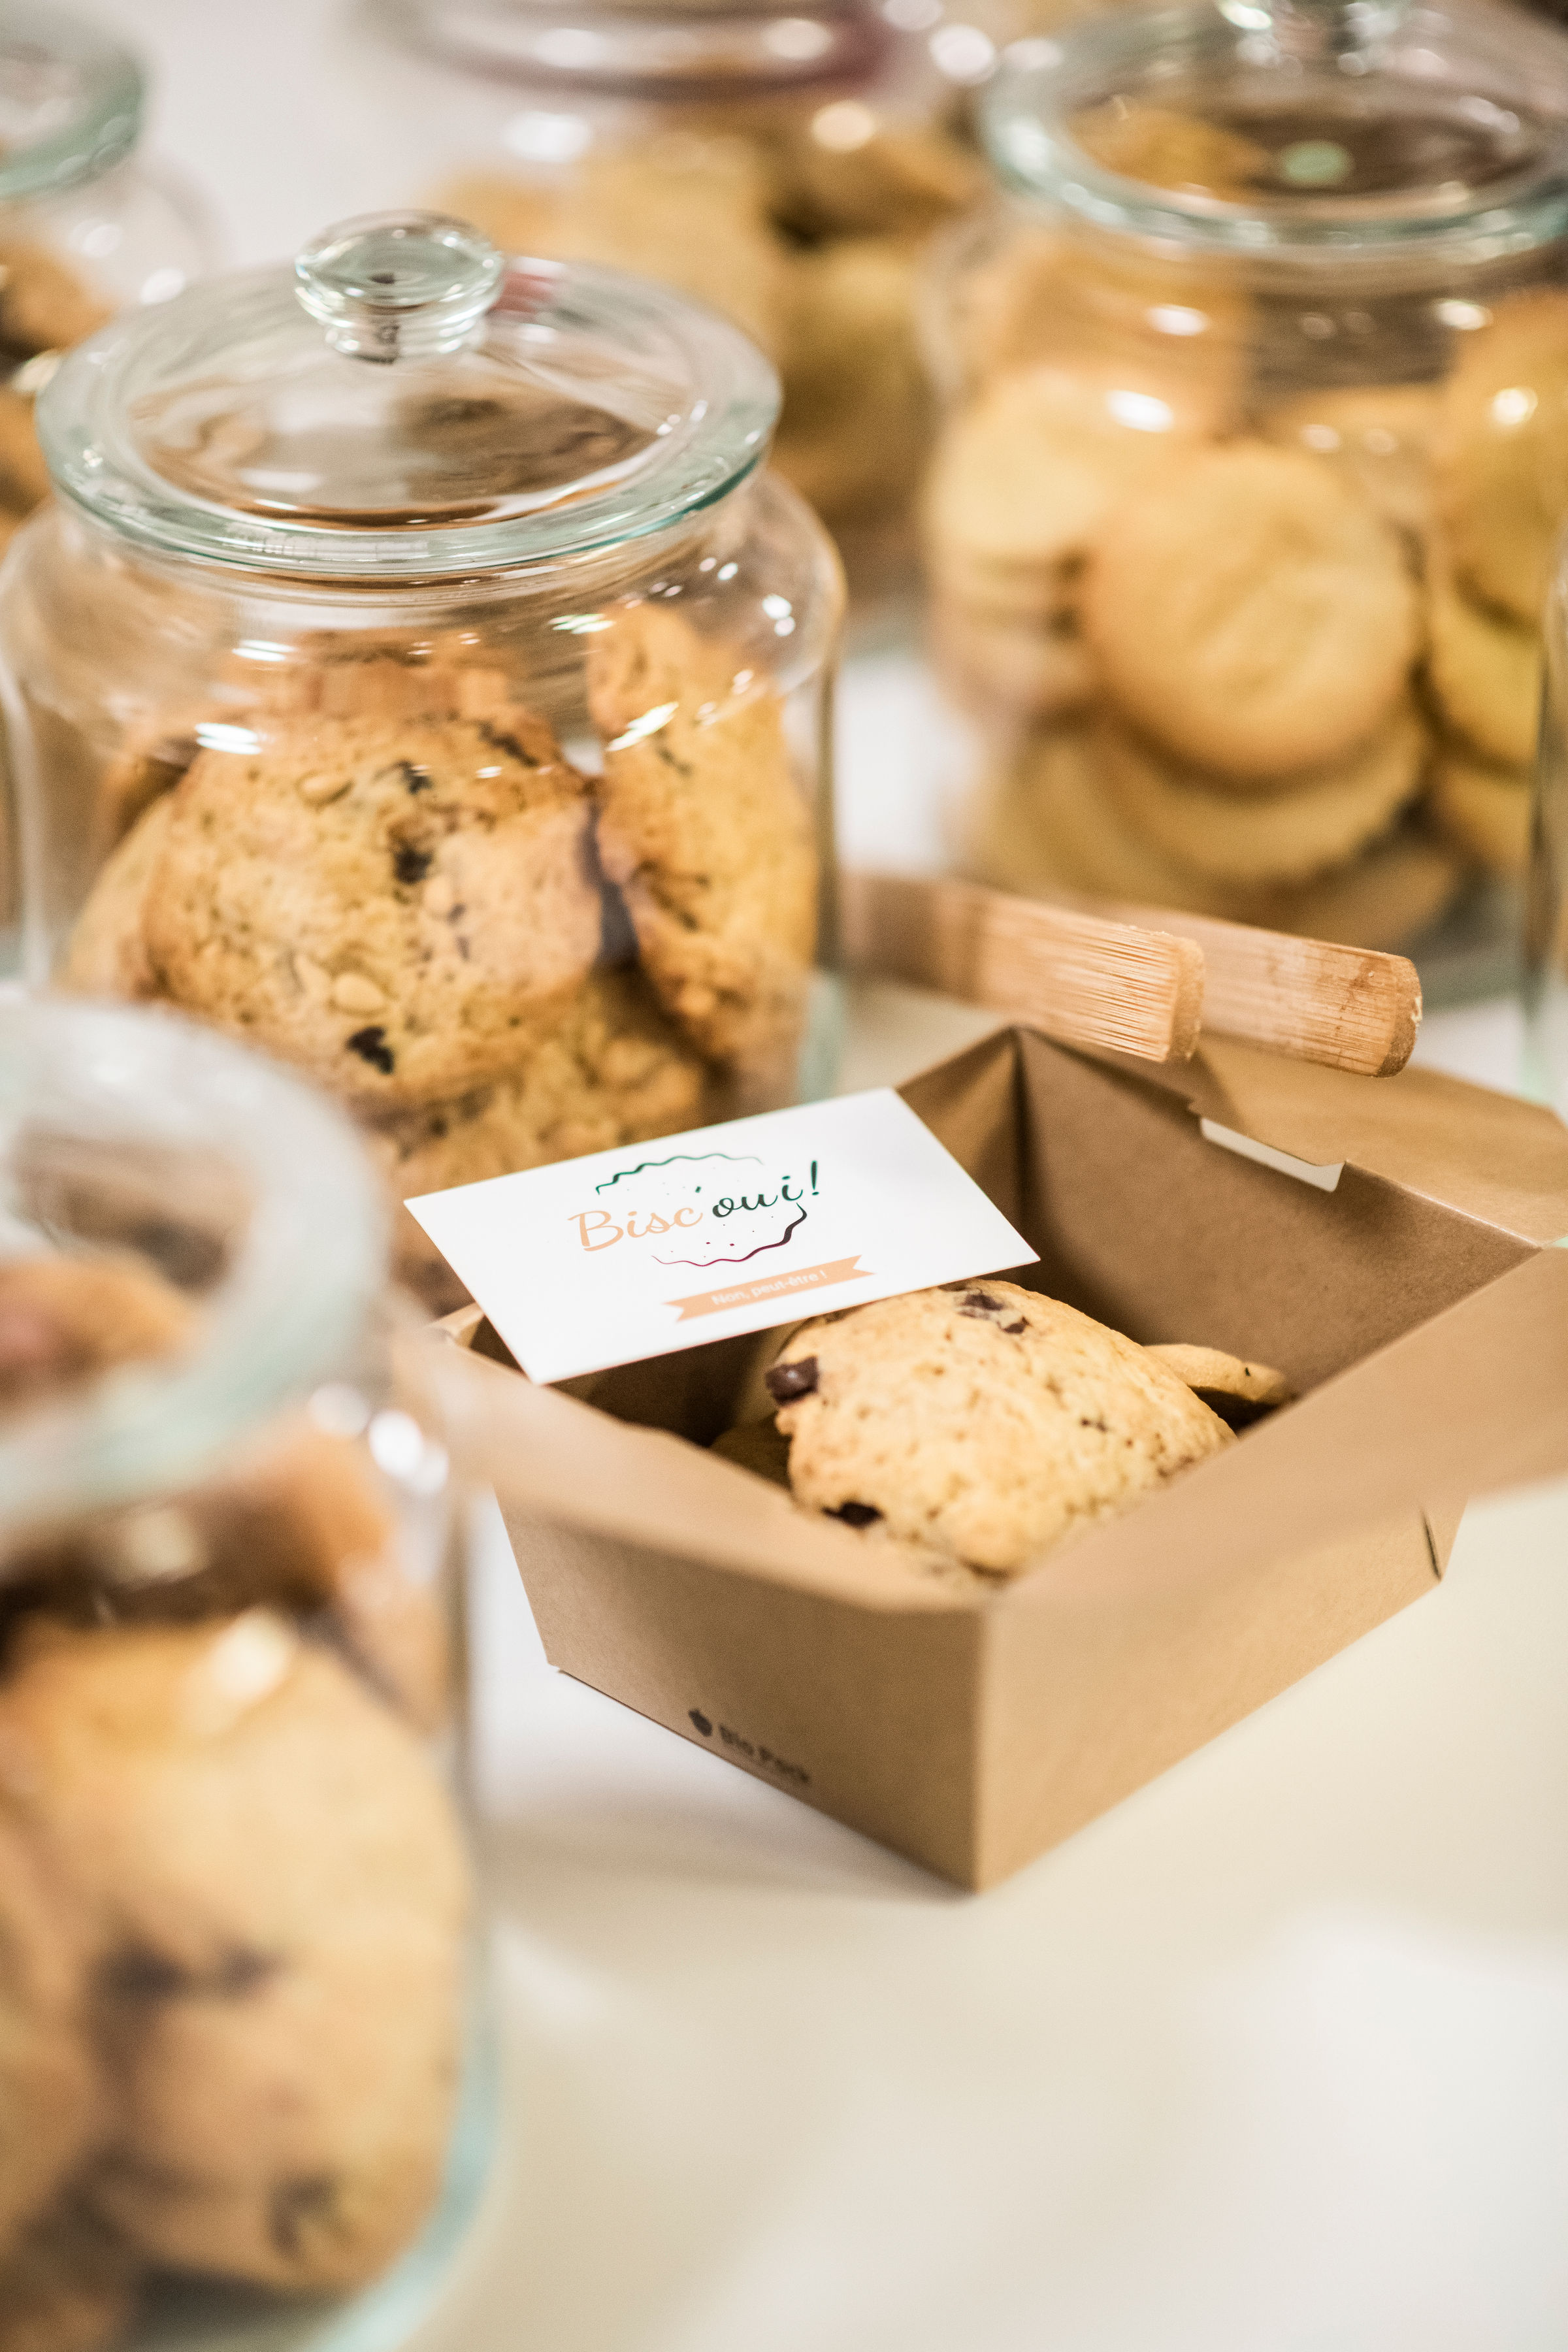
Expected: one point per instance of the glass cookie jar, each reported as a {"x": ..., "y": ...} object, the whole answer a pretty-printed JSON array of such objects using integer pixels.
[
  {"x": 419, "y": 677},
  {"x": 242, "y": 2097},
  {"x": 786, "y": 164},
  {"x": 85, "y": 228},
  {"x": 1256, "y": 440}
]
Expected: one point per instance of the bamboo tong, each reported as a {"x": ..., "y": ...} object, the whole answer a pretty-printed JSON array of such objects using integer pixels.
[{"x": 1138, "y": 980}]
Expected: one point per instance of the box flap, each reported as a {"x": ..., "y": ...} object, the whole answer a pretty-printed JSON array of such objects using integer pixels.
[
  {"x": 1487, "y": 1154},
  {"x": 1471, "y": 1401},
  {"x": 553, "y": 1458}
]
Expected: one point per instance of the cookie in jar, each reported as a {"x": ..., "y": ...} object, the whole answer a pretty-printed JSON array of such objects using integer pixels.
[
  {"x": 789, "y": 167},
  {"x": 1239, "y": 531},
  {"x": 238, "y": 2038},
  {"x": 85, "y": 229},
  {"x": 457, "y": 727}
]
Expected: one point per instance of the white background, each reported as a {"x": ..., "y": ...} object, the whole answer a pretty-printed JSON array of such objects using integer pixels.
[{"x": 1273, "y": 2059}]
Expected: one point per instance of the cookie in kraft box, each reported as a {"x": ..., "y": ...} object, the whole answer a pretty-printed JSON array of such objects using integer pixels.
[{"x": 1251, "y": 1230}]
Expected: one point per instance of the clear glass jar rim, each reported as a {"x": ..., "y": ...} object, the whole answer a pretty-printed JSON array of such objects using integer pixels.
[
  {"x": 771, "y": 51},
  {"x": 105, "y": 126},
  {"x": 291, "y": 1305},
  {"x": 1025, "y": 111},
  {"x": 84, "y": 427}
]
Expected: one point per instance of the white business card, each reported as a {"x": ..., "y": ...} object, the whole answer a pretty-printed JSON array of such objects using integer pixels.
[{"x": 732, "y": 1228}]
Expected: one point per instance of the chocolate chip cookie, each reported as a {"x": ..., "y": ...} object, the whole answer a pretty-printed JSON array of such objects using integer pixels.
[
  {"x": 53, "y": 2103},
  {"x": 980, "y": 1421},
  {"x": 616, "y": 1071},
  {"x": 403, "y": 908},
  {"x": 276, "y": 1889},
  {"x": 108, "y": 952},
  {"x": 707, "y": 833}
]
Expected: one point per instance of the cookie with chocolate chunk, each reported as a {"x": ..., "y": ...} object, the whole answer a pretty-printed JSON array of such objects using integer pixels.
[
  {"x": 706, "y": 833},
  {"x": 402, "y": 907},
  {"x": 67, "y": 2283},
  {"x": 980, "y": 1421},
  {"x": 108, "y": 955},
  {"x": 53, "y": 2103},
  {"x": 616, "y": 1071},
  {"x": 275, "y": 1887}
]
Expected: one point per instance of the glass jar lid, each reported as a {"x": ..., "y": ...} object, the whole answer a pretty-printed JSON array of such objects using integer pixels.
[
  {"x": 406, "y": 403},
  {"x": 70, "y": 101},
  {"x": 676, "y": 47},
  {"x": 1296, "y": 129}
]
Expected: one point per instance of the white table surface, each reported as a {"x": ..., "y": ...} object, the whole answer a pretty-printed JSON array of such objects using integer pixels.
[{"x": 1272, "y": 2059}]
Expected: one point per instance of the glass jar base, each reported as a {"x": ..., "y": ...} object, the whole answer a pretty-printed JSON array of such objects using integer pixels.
[{"x": 192, "y": 2316}]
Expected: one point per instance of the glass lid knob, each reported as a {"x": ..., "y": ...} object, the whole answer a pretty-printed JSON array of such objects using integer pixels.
[
  {"x": 1325, "y": 30},
  {"x": 398, "y": 286}
]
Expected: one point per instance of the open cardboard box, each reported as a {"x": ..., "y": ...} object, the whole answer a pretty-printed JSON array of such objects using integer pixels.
[{"x": 1413, "y": 1298}]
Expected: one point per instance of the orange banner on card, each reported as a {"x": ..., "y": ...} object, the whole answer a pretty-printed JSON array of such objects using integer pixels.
[{"x": 770, "y": 1285}]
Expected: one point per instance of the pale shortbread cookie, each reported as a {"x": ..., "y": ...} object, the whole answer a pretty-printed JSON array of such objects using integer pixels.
[
  {"x": 1379, "y": 435},
  {"x": 1252, "y": 613},
  {"x": 275, "y": 1882},
  {"x": 1485, "y": 671},
  {"x": 1042, "y": 597},
  {"x": 847, "y": 176},
  {"x": 706, "y": 830},
  {"x": 616, "y": 1071},
  {"x": 1047, "y": 825},
  {"x": 1502, "y": 452},
  {"x": 402, "y": 907},
  {"x": 981, "y": 1422},
  {"x": 1018, "y": 296},
  {"x": 689, "y": 211},
  {"x": 1385, "y": 899},
  {"x": 1485, "y": 812},
  {"x": 1239, "y": 1392},
  {"x": 1027, "y": 476},
  {"x": 856, "y": 411},
  {"x": 1043, "y": 822},
  {"x": 1323, "y": 819},
  {"x": 989, "y": 664}
]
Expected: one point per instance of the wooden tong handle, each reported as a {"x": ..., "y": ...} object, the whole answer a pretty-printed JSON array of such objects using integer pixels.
[
  {"x": 1351, "y": 1008},
  {"x": 1136, "y": 979},
  {"x": 1079, "y": 977}
]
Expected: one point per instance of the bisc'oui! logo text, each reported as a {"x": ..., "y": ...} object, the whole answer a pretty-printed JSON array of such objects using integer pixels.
[{"x": 598, "y": 1230}]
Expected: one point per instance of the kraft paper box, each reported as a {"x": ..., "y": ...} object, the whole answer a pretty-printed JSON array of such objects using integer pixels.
[{"x": 1417, "y": 1306}]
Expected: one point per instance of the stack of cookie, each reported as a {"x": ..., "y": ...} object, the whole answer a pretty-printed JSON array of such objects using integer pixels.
[
  {"x": 966, "y": 1431},
  {"x": 406, "y": 888},
  {"x": 1289, "y": 674},
  {"x": 809, "y": 238},
  {"x": 233, "y": 1896}
]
